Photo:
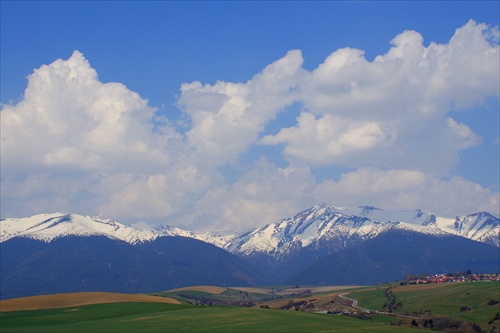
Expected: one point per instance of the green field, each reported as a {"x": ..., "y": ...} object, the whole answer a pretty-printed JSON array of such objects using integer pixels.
[
  {"x": 149, "y": 317},
  {"x": 457, "y": 307},
  {"x": 372, "y": 299},
  {"x": 465, "y": 301},
  {"x": 228, "y": 297}
]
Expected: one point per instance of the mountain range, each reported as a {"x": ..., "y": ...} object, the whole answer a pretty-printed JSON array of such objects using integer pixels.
[{"x": 58, "y": 252}]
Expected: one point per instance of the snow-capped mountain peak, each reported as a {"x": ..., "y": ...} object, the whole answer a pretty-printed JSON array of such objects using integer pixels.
[
  {"x": 47, "y": 227},
  {"x": 482, "y": 227},
  {"x": 341, "y": 226},
  {"x": 321, "y": 224}
]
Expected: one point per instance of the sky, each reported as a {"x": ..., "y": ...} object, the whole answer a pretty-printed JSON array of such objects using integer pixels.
[{"x": 225, "y": 116}]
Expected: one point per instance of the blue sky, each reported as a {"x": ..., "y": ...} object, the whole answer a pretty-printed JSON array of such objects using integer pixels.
[{"x": 270, "y": 127}]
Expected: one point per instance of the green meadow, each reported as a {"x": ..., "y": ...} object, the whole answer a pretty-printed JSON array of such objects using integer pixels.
[
  {"x": 155, "y": 317},
  {"x": 460, "y": 307},
  {"x": 469, "y": 301}
]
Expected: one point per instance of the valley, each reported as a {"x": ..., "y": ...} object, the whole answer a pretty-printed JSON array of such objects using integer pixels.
[{"x": 274, "y": 309}]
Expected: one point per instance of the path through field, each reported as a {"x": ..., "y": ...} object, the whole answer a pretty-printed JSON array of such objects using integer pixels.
[{"x": 355, "y": 305}]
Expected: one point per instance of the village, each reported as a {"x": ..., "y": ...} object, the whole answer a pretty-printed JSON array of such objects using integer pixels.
[{"x": 452, "y": 278}]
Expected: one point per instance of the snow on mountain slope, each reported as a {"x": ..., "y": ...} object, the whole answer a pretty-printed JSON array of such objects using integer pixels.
[
  {"x": 415, "y": 217},
  {"x": 349, "y": 225},
  {"x": 314, "y": 226},
  {"x": 214, "y": 238},
  {"x": 482, "y": 227},
  {"x": 47, "y": 227},
  {"x": 13, "y": 227}
]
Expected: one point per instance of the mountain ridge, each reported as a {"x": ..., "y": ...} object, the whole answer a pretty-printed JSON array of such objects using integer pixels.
[
  {"x": 98, "y": 263},
  {"x": 346, "y": 225},
  {"x": 316, "y": 224},
  {"x": 50, "y": 253}
]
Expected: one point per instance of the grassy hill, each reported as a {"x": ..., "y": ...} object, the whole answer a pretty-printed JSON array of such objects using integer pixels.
[
  {"x": 445, "y": 304},
  {"x": 458, "y": 307},
  {"x": 157, "y": 317}
]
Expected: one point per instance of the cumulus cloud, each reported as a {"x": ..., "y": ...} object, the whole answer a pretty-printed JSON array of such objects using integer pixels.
[
  {"x": 263, "y": 195},
  {"x": 69, "y": 118},
  {"x": 228, "y": 117},
  {"x": 76, "y": 144},
  {"x": 382, "y": 112},
  {"x": 331, "y": 139},
  {"x": 407, "y": 189}
]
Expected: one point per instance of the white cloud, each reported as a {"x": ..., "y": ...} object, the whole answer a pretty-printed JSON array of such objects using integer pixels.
[
  {"x": 75, "y": 144},
  {"x": 68, "y": 118},
  {"x": 263, "y": 195},
  {"x": 331, "y": 139},
  {"x": 268, "y": 193},
  {"x": 73, "y": 133},
  {"x": 228, "y": 117},
  {"x": 387, "y": 111},
  {"x": 408, "y": 189},
  {"x": 157, "y": 198}
]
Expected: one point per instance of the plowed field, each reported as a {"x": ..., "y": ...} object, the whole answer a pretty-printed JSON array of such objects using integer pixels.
[{"x": 76, "y": 299}]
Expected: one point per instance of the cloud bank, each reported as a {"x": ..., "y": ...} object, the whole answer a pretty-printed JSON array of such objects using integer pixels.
[{"x": 76, "y": 144}]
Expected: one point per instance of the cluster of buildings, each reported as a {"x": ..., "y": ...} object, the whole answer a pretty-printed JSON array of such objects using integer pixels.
[{"x": 452, "y": 278}]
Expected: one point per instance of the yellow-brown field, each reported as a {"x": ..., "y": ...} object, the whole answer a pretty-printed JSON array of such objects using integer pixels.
[
  {"x": 205, "y": 289},
  {"x": 76, "y": 299},
  {"x": 315, "y": 289},
  {"x": 290, "y": 291}
]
